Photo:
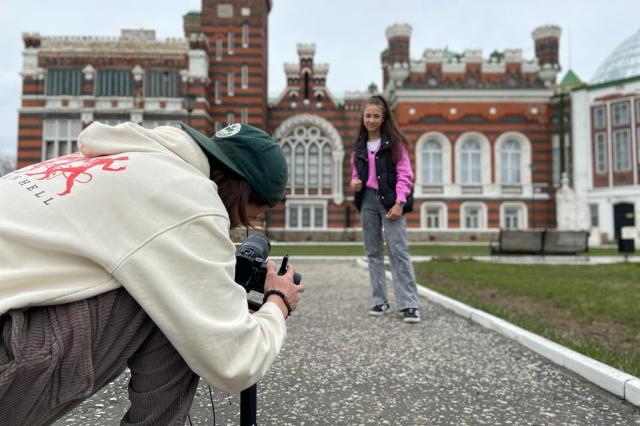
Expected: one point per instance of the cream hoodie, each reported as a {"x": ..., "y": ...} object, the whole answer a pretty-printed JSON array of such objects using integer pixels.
[{"x": 136, "y": 209}]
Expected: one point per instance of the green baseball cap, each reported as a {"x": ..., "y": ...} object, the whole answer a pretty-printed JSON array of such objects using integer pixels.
[{"x": 252, "y": 154}]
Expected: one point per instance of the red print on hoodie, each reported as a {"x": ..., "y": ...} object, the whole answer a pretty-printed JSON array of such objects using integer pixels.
[{"x": 74, "y": 168}]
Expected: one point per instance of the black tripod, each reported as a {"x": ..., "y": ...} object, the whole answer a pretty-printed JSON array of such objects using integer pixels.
[
  {"x": 248, "y": 406},
  {"x": 249, "y": 396}
]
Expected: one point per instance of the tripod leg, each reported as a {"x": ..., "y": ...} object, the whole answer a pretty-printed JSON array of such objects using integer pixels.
[{"x": 248, "y": 406}]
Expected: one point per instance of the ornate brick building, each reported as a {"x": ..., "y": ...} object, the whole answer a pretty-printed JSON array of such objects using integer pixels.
[
  {"x": 479, "y": 127},
  {"x": 481, "y": 132}
]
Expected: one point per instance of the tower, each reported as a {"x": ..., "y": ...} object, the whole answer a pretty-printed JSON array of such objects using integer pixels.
[
  {"x": 238, "y": 67},
  {"x": 547, "y": 40}
]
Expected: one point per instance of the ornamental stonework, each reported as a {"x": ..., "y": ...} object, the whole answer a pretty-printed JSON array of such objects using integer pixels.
[{"x": 46, "y": 60}]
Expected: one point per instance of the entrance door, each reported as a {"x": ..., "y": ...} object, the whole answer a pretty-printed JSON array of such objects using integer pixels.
[{"x": 623, "y": 215}]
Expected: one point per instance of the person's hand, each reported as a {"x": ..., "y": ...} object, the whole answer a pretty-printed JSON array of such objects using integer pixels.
[
  {"x": 394, "y": 212},
  {"x": 283, "y": 283},
  {"x": 356, "y": 185}
]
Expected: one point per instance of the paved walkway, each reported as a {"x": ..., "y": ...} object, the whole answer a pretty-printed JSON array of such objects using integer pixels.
[{"x": 341, "y": 367}]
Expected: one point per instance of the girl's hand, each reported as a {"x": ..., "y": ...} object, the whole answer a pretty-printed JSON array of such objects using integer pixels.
[
  {"x": 394, "y": 212},
  {"x": 356, "y": 185}
]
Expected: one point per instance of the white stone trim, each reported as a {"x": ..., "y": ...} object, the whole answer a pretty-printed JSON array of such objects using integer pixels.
[
  {"x": 335, "y": 141},
  {"x": 198, "y": 64},
  {"x": 483, "y": 220},
  {"x": 316, "y": 202},
  {"x": 546, "y": 31},
  {"x": 485, "y": 159},
  {"x": 398, "y": 30},
  {"x": 525, "y": 156},
  {"x": 472, "y": 96},
  {"x": 443, "y": 214},
  {"x": 523, "y": 215}
]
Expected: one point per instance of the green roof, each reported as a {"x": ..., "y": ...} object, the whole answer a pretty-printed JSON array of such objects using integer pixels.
[
  {"x": 448, "y": 55},
  {"x": 570, "y": 79}
]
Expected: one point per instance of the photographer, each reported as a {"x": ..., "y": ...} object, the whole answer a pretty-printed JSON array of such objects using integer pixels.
[{"x": 119, "y": 256}]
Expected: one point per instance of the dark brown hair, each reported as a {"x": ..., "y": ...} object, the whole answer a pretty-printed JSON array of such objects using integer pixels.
[
  {"x": 389, "y": 127},
  {"x": 235, "y": 193}
]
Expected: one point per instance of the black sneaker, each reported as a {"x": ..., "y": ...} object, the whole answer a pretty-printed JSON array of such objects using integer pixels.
[
  {"x": 378, "y": 310},
  {"x": 411, "y": 315}
]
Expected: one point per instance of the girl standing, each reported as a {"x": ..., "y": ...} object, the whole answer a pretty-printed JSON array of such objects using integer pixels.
[{"x": 382, "y": 180}]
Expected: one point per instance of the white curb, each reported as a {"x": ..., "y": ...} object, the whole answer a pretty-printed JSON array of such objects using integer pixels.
[{"x": 613, "y": 380}]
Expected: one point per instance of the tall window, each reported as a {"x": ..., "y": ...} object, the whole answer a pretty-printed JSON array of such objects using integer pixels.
[
  {"x": 230, "y": 42},
  {"x": 593, "y": 212},
  {"x": 162, "y": 84},
  {"x": 230, "y": 83},
  {"x": 555, "y": 159},
  {"x": 620, "y": 114},
  {"x": 218, "y": 49},
  {"x": 601, "y": 152},
  {"x": 245, "y": 35},
  {"x": 621, "y": 151},
  {"x": 244, "y": 76},
  {"x": 112, "y": 82},
  {"x": 309, "y": 157},
  {"x": 600, "y": 117},
  {"x": 432, "y": 162},
  {"x": 470, "y": 159},
  {"x": 230, "y": 118},
  {"x": 306, "y": 216},
  {"x": 216, "y": 92},
  {"x": 510, "y": 154},
  {"x": 244, "y": 115},
  {"x": 60, "y": 137},
  {"x": 64, "y": 81}
]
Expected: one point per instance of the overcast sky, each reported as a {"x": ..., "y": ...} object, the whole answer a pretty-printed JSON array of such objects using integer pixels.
[{"x": 349, "y": 34}]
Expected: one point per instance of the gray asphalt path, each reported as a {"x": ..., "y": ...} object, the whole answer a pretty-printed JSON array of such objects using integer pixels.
[{"x": 342, "y": 367}]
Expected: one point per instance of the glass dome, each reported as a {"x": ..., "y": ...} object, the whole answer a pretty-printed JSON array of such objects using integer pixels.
[{"x": 623, "y": 62}]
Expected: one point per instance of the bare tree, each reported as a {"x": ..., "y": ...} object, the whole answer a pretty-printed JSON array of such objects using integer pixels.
[{"x": 7, "y": 163}]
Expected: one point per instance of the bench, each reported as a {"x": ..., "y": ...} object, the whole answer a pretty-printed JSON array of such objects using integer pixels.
[{"x": 540, "y": 242}]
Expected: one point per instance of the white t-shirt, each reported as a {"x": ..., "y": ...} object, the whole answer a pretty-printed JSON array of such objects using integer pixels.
[{"x": 373, "y": 146}]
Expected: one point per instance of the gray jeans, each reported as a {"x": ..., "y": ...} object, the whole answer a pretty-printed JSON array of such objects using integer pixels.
[
  {"x": 373, "y": 219},
  {"x": 54, "y": 357}
]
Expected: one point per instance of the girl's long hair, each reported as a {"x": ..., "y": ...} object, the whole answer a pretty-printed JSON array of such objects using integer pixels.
[
  {"x": 234, "y": 191},
  {"x": 389, "y": 127}
]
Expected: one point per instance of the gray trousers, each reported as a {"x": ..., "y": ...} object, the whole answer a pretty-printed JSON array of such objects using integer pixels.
[
  {"x": 372, "y": 214},
  {"x": 54, "y": 357}
]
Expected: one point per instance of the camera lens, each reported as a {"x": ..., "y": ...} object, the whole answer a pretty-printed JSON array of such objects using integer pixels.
[{"x": 258, "y": 244}]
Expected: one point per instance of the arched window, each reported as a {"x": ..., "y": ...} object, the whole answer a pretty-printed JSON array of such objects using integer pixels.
[
  {"x": 315, "y": 160},
  {"x": 431, "y": 162},
  {"x": 470, "y": 162},
  {"x": 510, "y": 162},
  {"x": 312, "y": 160}
]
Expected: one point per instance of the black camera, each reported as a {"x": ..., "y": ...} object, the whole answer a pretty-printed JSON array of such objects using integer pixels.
[{"x": 251, "y": 263}]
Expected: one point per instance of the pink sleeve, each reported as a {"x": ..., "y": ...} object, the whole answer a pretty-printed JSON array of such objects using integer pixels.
[
  {"x": 354, "y": 169},
  {"x": 404, "y": 177}
]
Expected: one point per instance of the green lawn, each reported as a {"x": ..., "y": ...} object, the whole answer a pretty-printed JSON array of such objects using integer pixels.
[
  {"x": 416, "y": 250},
  {"x": 591, "y": 309}
]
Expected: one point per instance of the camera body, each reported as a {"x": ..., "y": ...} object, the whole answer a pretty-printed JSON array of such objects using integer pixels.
[{"x": 251, "y": 263}]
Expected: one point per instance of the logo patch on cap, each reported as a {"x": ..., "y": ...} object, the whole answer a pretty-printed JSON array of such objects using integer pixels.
[{"x": 228, "y": 131}]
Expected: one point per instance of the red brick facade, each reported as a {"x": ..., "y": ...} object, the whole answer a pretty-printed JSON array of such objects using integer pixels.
[{"x": 484, "y": 114}]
